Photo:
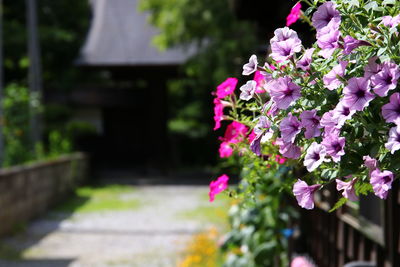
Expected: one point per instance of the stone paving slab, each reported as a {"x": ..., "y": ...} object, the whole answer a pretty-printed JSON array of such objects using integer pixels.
[{"x": 151, "y": 236}]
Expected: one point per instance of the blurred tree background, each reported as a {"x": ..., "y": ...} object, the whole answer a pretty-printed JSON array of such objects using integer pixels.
[
  {"x": 223, "y": 43},
  {"x": 62, "y": 27}
]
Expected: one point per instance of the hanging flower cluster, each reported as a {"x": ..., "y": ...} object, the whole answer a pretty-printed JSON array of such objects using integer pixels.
[{"x": 333, "y": 108}]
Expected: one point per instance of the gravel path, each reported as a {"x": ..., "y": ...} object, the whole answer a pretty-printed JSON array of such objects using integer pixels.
[{"x": 151, "y": 236}]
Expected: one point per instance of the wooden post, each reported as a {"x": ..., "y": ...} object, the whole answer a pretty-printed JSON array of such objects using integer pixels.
[
  {"x": 35, "y": 72},
  {"x": 1, "y": 86}
]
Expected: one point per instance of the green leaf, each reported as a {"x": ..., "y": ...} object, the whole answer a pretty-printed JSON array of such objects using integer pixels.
[{"x": 338, "y": 204}]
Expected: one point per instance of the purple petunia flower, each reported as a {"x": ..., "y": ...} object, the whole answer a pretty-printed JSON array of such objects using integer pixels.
[
  {"x": 310, "y": 121},
  {"x": 305, "y": 194},
  {"x": 315, "y": 156},
  {"x": 381, "y": 182},
  {"x": 328, "y": 37},
  {"x": 348, "y": 189},
  {"x": 391, "y": 110},
  {"x": 305, "y": 61},
  {"x": 370, "y": 163},
  {"x": 386, "y": 79},
  {"x": 341, "y": 114},
  {"x": 288, "y": 150},
  {"x": 248, "y": 90},
  {"x": 255, "y": 145},
  {"x": 330, "y": 123},
  {"x": 390, "y": 21},
  {"x": 324, "y": 14},
  {"x": 251, "y": 66},
  {"x": 393, "y": 143},
  {"x": 357, "y": 94},
  {"x": 334, "y": 146},
  {"x": 331, "y": 80},
  {"x": 289, "y": 127},
  {"x": 283, "y": 92},
  {"x": 351, "y": 43},
  {"x": 263, "y": 129},
  {"x": 284, "y": 44},
  {"x": 371, "y": 68}
]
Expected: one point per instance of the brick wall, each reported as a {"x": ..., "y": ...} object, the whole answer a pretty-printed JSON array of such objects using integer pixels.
[{"x": 27, "y": 191}]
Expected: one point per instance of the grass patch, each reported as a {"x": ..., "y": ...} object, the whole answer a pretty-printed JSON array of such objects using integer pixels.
[
  {"x": 104, "y": 198},
  {"x": 9, "y": 253},
  {"x": 215, "y": 213}
]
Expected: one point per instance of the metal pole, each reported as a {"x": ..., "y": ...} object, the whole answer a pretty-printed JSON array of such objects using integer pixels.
[
  {"x": 35, "y": 72},
  {"x": 1, "y": 86}
]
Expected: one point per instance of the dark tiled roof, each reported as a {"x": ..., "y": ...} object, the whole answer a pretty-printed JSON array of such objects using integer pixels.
[{"x": 120, "y": 35}]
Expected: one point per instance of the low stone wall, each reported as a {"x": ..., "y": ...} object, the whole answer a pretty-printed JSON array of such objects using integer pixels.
[{"x": 27, "y": 191}]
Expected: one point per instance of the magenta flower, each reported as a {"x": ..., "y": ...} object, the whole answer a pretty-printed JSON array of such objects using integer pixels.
[
  {"x": 294, "y": 14},
  {"x": 351, "y": 43},
  {"x": 284, "y": 92},
  {"x": 348, "y": 189},
  {"x": 225, "y": 150},
  {"x": 235, "y": 132},
  {"x": 280, "y": 159},
  {"x": 386, "y": 79},
  {"x": 310, "y": 121},
  {"x": 324, "y": 14},
  {"x": 341, "y": 114},
  {"x": 315, "y": 156},
  {"x": 251, "y": 136},
  {"x": 381, "y": 182},
  {"x": 334, "y": 146},
  {"x": 227, "y": 87},
  {"x": 218, "y": 113},
  {"x": 284, "y": 44},
  {"x": 328, "y": 37},
  {"x": 218, "y": 186},
  {"x": 371, "y": 68},
  {"x": 393, "y": 143},
  {"x": 370, "y": 163},
  {"x": 288, "y": 150},
  {"x": 289, "y": 127},
  {"x": 305, "y": 194},
  {"x": 357, "y": 94},
  {"x": 391, "y": 110},
  {"x": 305, "y": 61},
  {"x": 251, "y": 66},
  {"x": 261, "y": 78},
  {"x": 248, "y": 90},
  {"x": 331, "y": 80}
]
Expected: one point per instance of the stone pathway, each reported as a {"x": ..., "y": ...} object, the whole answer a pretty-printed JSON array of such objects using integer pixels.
[{"x": 151, "y": 235}]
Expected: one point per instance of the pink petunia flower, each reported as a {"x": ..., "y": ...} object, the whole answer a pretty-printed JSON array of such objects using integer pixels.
[
  {"x": 218, "y": 186},
  {"x": 357, "y": 94},
  {"x": 280, "y": 159},
  {"x": 284, "y": 44},
  {"x": 391, "y": 110},
  {"x": 251, "y": 66},
  {"x": 301, "y": 261},
  {"x": 315, "y": 156},
  {"x": 348, "y": 189},
  {"x": 248, "y": 90},
  {"x": 393, "y": 143},
  {"x": 331, "y": 80},
  {"x": 261, "y": 78},
  {"x": 294, "y": 14},
  {"x": 305, "y": 194},
  {"x": 218, "y": 113},
  {"x": 284, "y": 92},
  {"x": 381, "y": 182},
  {"x": 227, "y": 87}
]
